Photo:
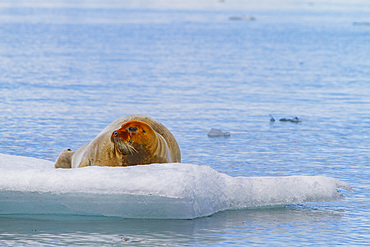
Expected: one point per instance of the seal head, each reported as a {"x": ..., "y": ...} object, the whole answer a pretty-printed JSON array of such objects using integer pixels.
[{"x": 134, "y": 137}]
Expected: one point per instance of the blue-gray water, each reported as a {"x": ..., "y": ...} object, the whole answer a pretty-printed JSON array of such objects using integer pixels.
[{"x": 69, "y": 68}]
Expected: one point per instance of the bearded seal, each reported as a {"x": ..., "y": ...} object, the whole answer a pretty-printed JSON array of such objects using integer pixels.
[{"x": 131, "y": 140}]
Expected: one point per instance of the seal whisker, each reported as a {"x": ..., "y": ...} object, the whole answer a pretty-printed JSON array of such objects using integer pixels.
[
  {"x": 126, "y": 148},
  {"x": 131, "y": 149}
]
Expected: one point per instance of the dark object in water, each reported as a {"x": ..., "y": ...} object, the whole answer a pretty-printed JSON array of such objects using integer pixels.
[
  {"x": 242, "y": 18},
  {"x": 218, "y": 133},
  {"x": 294, "y": 120},
  {"x": 272, "y": 119}
]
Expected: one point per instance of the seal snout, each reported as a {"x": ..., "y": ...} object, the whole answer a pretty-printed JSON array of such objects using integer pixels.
[
  {"x": 123, "y": 141},
  {"x": 120, "y": 135}
]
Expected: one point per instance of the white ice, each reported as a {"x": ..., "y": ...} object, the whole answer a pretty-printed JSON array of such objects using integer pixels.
[
  {"x": 177, "y": 191},
  {"x": 218, "y": 133}
]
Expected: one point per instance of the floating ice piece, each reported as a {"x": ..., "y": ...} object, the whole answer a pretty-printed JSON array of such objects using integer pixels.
[
  {"x": 361, "y": 23},
  {"x": 218, "y": 133},
  {"x": 166, "y": 191}
]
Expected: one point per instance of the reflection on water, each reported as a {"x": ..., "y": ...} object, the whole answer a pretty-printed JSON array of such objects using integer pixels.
[{"x": 242, "y": 227}]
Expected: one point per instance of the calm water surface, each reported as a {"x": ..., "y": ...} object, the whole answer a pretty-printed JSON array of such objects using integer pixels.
[{"x": 69, "y": 68}]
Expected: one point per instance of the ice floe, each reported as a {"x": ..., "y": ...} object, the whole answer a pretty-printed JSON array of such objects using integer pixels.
[{"x": 167, "y": 191}]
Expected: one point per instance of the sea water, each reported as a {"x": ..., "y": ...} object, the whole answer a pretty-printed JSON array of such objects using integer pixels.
[{"x": 69, "y": 68}]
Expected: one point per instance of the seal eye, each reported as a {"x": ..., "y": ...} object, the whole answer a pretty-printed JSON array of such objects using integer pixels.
[
  {"x": 115, "y": 133},
  {"x": 132, "y": 129},
  {"x": 144, "y": 131}
]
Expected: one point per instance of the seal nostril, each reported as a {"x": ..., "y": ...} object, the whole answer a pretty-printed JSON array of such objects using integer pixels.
[{"x": 115, "y": 133}]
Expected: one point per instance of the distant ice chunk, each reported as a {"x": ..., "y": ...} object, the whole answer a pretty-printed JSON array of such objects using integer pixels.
[
  {"x": 242, "y": 18},
  {"x": 218, "y": 133},
  {"x": 166, "y": 191},
  {"x": 361, "y": 23}
]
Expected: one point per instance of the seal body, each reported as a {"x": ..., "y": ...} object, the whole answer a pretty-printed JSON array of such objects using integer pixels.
[{"x": 130, "y": 140}]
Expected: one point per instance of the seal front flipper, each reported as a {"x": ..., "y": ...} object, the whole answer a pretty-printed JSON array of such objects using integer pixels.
[{"x": 64, "y": 159}]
